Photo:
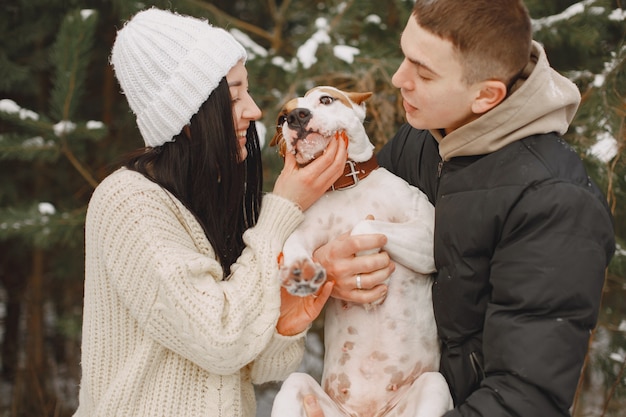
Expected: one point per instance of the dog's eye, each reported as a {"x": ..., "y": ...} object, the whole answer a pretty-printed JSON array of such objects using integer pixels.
[
  {"x": 326, "y": 100},
  {"x": 281, "y": 120}
]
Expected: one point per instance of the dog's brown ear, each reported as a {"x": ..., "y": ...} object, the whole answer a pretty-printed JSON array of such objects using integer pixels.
[
  {"x": 278, "y": 139},
  {"x": 359, "y": 98}
]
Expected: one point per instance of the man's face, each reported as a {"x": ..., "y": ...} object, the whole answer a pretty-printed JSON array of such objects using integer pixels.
[{"x": 430, "y": 81}]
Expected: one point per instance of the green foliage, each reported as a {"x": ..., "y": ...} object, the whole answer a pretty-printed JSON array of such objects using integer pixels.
[
  {"x": 46, "y": 157},
  {"x": 18, "y": 146},
  {"x": 70, "y": 59},
  {"x": 41, "y": 225}
]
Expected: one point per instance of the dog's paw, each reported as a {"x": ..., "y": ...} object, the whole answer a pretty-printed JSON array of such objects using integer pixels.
[{"x": 303, "y": 277}]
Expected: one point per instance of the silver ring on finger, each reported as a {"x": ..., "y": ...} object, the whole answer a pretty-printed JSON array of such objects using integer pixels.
[{"x": 358, "y": 282}]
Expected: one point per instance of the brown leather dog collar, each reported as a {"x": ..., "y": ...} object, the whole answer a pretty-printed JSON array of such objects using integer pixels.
[{"x": 354, "y": 172}]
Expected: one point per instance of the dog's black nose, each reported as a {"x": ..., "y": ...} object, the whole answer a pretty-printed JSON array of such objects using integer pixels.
[{"x": 298, "y": 118}]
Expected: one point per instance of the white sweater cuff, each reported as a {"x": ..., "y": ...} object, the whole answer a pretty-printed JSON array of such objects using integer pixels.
[{"x": 281, "y": 357}]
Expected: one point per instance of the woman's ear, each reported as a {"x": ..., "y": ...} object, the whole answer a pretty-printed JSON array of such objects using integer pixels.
[
  {"x": 491, "y": 93},
  {"x": 187, "y": 131}
]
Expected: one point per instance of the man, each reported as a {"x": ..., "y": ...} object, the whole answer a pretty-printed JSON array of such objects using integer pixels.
[{"x": 522, "y": 235}]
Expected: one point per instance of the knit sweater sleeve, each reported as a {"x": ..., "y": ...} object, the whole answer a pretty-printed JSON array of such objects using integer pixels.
[
  {"x": 281, "y": 357},
  {"x": 160, "y": 264}
]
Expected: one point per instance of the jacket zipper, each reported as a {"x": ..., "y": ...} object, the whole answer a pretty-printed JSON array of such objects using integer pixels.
[
  {"x": 477, "y": 366},
  {"x": 439, "y": 169}
]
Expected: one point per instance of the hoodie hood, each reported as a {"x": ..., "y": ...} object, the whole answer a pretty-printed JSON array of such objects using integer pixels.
[{"x": 541, "y": 101}]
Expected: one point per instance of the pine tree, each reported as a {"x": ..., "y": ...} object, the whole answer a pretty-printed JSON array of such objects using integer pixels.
[{"x": 42, "y": 211}]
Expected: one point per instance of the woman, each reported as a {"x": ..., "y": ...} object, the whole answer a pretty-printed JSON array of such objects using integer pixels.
[{"x": 182, "y": 303}]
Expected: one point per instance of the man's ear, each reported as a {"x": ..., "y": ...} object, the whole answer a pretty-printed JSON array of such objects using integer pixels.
[{"x": 491, "y": 93}]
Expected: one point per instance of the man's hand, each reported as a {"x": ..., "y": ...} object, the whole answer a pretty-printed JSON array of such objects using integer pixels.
[{"x": 339, "y": 258}]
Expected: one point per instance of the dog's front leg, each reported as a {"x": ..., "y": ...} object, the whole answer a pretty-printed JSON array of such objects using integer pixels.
[
  {"x": 409, "y": 243},
  {"x": 298, "y": 273}
]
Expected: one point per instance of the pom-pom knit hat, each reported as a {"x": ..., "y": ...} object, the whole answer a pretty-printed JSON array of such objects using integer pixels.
[{"x": 167, "y": 65}]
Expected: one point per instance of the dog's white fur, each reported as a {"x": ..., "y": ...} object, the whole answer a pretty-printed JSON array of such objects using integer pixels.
[{"x": 382, "y": 360}]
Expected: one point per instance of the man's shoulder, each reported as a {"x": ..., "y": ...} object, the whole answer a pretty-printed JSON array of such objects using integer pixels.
[
  {"x": 407, "y": 145},
  {"x": 408, "y": 135},
  {"x": 413, "y": 155},
  {"x": 559, "y": 158}
]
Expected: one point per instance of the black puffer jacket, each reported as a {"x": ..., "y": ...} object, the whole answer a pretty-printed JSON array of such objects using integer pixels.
[{"x": 522, "y": 239}]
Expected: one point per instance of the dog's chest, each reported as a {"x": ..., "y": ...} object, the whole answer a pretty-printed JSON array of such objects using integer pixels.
[{"x": 381, "y": 194}]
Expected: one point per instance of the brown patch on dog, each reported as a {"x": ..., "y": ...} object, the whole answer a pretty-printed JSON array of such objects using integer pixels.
[
  {"x": 343, "y": 388},
  {"x": 379, "y": 356},
  {"x": 346, "y": 98},
  {"x": 338, "y": 388},
  {"x": 397, "y": 380},
  {"x": 331, "y": 378},
  {"x": 278, "y": 139}
]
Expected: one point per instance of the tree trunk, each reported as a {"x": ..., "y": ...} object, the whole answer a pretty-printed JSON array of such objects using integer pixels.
[{"x": 37, "y": 397}]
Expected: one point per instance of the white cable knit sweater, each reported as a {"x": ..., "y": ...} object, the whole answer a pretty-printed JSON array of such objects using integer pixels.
[{"x": 162, "y": 334}]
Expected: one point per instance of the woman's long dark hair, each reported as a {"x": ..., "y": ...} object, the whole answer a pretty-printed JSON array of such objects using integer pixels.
[{"x": 205, "y": 173}]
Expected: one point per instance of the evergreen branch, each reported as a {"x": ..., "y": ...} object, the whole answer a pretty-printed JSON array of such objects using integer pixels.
[
  {"x": 70, "y": 58},
  {"x": 612, "y": 71},
  {"x": 76, "y": 38},
  {"x": 91, "y": 130},
  {"x": 618, "y": 380},
  {"x": 280, "y": 16},
  {"x": 233, "y": 20},
  {"x": 71, "y": 88},
  {"x": 23, "y": 118},
  {"x": 621, "y": 147},
  {"x": 15, "y": 146},
  {"x": 22, "y": 147},
  {"x": 339, "y": 16},
  {"x": 67, "y": 152},
  {"x": 273, "y": 9},
  {"x": 40, "y": 224}
]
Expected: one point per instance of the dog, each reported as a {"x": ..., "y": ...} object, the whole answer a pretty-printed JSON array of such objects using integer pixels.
[{"x": 380, "y": 359}]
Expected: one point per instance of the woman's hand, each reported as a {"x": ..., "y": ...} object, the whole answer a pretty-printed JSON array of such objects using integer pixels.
[
  {"x": 304, "y": 185},
  {"x": 297, "y": 313},
  {"x": 343, "y": 265}
]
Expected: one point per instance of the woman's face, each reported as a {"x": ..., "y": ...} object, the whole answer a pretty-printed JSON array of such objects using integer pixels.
[{"x": 245, "y": 109}]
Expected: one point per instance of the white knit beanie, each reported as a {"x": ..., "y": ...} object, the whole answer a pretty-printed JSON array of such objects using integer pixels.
[{"x": 168, "y": 65}]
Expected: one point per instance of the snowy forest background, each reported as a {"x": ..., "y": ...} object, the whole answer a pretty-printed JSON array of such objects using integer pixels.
[{"x": 64, "y": 125}]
